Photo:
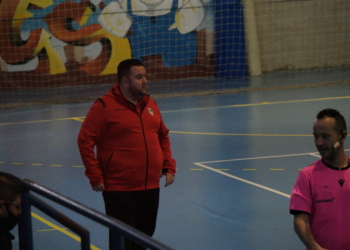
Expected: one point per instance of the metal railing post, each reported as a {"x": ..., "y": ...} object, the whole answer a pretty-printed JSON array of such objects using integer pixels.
[
  {"x": 117, "y": 239},
  {"x": 25, "y": 232}
]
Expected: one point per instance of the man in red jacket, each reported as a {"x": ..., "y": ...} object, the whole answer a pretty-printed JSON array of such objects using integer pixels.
[{"x": 132, "y": 150}]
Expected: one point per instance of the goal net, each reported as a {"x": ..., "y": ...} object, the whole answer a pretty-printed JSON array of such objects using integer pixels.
[{"x": 56, "y": 51}]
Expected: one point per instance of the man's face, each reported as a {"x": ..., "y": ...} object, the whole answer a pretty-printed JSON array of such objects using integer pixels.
[
  {"x": 13, "y": 207},
  {"x": 10, "y": 212},
  {"x": 137, "y": 82},
  {"x": 325, "y": 137}
]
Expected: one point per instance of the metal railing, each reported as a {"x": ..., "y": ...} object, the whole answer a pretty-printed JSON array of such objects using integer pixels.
[{"x": 118, "y": 228}]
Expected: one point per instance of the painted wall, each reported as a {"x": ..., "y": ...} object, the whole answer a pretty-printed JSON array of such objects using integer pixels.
[
  {"x": 60, "y": 42},
  {"x": 307, "y": 34}
]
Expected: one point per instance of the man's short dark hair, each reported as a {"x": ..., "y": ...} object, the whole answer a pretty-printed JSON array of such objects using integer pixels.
[
  {"x": 10, "y": 187},
  {"x": 340, "y": 123},
  {"x": 125, "y": 66}
]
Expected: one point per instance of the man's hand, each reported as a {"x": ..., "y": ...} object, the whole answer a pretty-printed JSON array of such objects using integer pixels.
[
  {"x": 99, "y": 188},
  {"x": 169, "y": 178}
]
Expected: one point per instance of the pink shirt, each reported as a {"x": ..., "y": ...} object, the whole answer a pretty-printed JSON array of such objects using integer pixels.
[{"x": 324, "y": 194}]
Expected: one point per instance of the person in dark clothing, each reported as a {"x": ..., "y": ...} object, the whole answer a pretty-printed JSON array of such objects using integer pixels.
[{"x": 10, "y": 207}]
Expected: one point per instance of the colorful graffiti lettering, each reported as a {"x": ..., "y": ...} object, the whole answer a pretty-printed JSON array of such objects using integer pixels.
[
  {"x": 45, "y": 35},
  {"x": 15, "y": 50}
]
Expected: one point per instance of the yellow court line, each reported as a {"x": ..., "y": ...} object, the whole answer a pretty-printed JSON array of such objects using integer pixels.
[
  {"x": 60, "y": 229},
  {"x": 243, "y": 180},
  {"x": 267, "y": 103},
  {"x": 53, "y": 229},
  {"x": 233, "y": 134},
  {"x": 292, "y": 101},
  {"x": 48, "y": 120},
  {"x": 78, "y": 119},
  {"x": 40, "y": 164},
  {"x": 81, "y": 118}
]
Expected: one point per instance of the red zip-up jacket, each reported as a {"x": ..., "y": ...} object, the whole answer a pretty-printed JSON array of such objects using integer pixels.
[{"x": 132, "y": 143}]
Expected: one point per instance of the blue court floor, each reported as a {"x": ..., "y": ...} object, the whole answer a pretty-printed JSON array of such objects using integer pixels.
[{"x": 238, "y": 156}]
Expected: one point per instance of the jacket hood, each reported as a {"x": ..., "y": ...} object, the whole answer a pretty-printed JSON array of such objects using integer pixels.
[{"x": 116, "y": 94}]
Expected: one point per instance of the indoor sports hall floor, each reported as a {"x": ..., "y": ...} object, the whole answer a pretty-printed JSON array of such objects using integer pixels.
[{"x": 238, "y": 156}]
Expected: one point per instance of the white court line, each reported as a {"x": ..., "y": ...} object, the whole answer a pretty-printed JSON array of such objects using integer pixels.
[
  {"x": 315, "y": 154},
  {"x": 258, "y": 158},
  {"x": 244, "y": 180},
  {"x": 250, "y": 182}
]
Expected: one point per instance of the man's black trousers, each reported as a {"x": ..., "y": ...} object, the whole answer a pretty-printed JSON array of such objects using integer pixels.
[{"x": 136, "y": 208}]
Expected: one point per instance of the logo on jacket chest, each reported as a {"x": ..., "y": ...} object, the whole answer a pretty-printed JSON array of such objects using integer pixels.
[{"x": 150, "y": 111}]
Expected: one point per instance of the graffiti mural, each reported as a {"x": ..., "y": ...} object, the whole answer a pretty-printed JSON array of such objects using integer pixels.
[{"x": 58, "y": 39}]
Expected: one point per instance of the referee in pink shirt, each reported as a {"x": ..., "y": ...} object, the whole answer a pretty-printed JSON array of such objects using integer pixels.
[{"x": 320, "y": 200}]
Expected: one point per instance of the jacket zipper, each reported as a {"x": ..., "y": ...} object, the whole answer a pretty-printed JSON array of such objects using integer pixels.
[
  {"x": 144, "y": 138},
  {"x": 143, "y": 133}
]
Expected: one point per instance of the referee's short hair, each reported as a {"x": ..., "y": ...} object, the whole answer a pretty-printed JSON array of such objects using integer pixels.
[{"x": 340, "y": 123}]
